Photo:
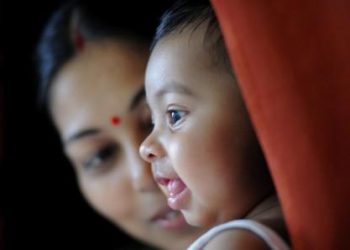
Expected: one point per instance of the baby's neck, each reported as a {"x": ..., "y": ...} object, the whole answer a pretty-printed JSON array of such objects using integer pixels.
[
  {"x": 267, "y": 208},
  {"x": 269, "y": 213}
]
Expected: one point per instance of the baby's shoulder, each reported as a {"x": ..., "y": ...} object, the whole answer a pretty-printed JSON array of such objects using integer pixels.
[
  {"x": 240, "y": 234},
  {"x": 239, "y": 239}
]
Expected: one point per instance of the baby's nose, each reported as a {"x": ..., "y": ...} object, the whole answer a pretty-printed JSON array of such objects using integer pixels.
[{"x": 150, "y": 149}]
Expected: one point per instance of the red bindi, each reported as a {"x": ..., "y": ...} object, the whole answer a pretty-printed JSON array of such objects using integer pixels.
[{"x": 115, "y": 120}]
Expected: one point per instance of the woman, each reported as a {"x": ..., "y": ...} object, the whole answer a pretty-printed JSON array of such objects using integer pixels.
[{"x": 91, "y": 62}]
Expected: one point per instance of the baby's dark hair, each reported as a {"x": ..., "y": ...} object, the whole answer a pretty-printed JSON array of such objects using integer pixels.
[
  {"x": 191, "y": 14},
  {"x": 91, "y": 20}
]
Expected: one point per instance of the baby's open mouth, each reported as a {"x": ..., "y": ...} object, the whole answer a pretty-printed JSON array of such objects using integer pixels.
[{"x": 177, "y": 191}]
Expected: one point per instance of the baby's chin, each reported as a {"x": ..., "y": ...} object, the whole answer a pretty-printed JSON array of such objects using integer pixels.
[{"x": 198, "y": 216}]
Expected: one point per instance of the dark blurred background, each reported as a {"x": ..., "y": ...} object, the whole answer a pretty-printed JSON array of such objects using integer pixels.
[{"x": 40, "y": 202}]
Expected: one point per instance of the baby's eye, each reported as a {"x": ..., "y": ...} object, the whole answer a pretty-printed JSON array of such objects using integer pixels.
[
  {"x": 175, "y": 116},
  {"x": 101, "y": 158}
]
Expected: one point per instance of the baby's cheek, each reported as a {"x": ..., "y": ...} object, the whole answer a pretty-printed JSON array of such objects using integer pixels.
[{"x": 182, "y": 158}]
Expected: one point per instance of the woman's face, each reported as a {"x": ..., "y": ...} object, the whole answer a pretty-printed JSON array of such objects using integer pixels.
[{"x": 98, "y": 106}]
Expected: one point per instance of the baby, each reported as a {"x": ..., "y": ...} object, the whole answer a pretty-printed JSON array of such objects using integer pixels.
[{"x": 203, "y": 148}]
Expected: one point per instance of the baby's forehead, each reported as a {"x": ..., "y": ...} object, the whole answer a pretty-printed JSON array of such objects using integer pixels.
[
  {"x": 191, "y": 33},
  {"x": 188, "y": 42},
  {"x": 201, "y": 41},
  {"x": 176, "y": 60}
]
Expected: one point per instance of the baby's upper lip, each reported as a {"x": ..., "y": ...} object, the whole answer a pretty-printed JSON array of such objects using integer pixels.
[
  {"x": 165, "y": 176},
  {"x": 164, "y": 181},
  {"x": 163, "y": 173}
]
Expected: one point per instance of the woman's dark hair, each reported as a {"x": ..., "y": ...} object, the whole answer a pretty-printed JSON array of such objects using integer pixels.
[
  {"x": 134, "y": 22},
  {"x": 191, "y": 14}
]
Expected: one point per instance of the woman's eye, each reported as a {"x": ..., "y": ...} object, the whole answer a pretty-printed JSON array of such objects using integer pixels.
[
  {"x": 174, "y": 116},
  {"x": 100, "y": 158},
  {"x": 147, "y": 122},
  {"x": 149, "y": 126}
]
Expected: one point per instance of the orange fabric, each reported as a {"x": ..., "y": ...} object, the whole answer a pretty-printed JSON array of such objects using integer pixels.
[{"x": 292, "y": 58}]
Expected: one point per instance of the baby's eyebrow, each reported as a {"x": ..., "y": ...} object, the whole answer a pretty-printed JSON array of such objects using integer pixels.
[{"x": 173, "y": 87}]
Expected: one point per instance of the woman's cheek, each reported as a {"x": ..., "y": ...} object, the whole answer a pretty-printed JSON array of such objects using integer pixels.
[{"x": 111, "y": 198}]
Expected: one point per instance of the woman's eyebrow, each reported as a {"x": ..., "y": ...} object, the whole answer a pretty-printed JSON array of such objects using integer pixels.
[
  {"x": 138, "y": 97},
  {"x": 80, "y": 134}
]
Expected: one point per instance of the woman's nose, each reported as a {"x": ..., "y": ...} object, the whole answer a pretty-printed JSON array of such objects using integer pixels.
[
  {"x": 141, "y": 175},
  {"x": 140, "y": 172}
]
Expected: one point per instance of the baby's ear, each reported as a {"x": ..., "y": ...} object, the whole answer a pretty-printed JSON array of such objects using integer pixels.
[{"x": 237, "y": 239}]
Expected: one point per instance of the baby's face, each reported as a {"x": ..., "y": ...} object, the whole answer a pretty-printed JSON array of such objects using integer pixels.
[{"x": 203, "y": 149}]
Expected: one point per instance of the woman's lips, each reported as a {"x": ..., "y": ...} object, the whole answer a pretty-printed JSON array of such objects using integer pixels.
[{"x": 170, "y": 219}]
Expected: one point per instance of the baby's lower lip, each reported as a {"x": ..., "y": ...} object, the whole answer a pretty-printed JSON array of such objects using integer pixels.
[{"x": 178, "y": 194}]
